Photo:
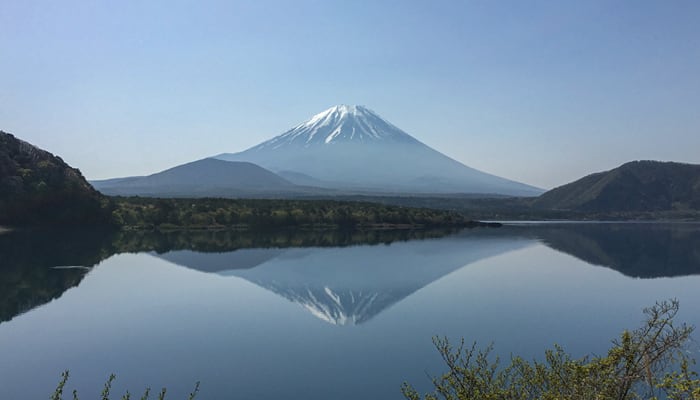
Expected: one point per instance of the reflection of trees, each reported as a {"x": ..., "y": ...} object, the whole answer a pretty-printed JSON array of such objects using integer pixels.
[
  {"x": 227, "y": 240},
  {"x": 27, "y": 260},
  {"x": 28, "y": 277}
]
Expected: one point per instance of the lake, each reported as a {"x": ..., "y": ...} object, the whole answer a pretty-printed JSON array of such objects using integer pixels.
[{"x": 320, "y": 315}]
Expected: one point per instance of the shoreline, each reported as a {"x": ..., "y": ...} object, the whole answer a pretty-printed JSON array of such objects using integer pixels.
[{"x": 592, "y": 222}]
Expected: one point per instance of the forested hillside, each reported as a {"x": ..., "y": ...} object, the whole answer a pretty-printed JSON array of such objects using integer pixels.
[{"x": 37, "y": 187}]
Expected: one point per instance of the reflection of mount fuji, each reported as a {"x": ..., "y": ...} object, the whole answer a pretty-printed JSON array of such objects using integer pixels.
[
  {"x": 350, "y": 285},
  {"x": 361, "y": 281},
  {"x": 39, "y": 265}
]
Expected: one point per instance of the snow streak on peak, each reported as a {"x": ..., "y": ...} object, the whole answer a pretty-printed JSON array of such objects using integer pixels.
[
  {"x": 341, "y": 123},
  {"x": 338, "y": 112}
]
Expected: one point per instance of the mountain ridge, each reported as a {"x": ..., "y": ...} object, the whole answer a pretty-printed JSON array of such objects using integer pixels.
[{"x": 201, "y": 177}]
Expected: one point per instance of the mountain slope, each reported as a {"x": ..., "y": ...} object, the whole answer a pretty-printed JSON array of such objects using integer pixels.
[
  {"x": 353, "y": 148},
  {"x": 206, "y": 177},
  {"x": 635, "y": 186},
  {"x": 37, "y": 187}
]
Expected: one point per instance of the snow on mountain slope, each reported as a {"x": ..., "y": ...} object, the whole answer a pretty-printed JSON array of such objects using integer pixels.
[
  {"x": 338, "y": 124},
  {"x": 352, "y": 147}
]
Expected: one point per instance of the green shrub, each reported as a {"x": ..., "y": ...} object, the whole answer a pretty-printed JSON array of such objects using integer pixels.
[{"x": 647, "y": 363}]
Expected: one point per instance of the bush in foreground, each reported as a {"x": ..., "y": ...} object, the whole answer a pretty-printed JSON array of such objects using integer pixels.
[
  {"x": 647, "y": 363},
  {"x": 105, "y": 395}
]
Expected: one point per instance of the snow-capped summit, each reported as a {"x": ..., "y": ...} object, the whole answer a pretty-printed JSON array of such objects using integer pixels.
[
  {"x": 341, "y": 123},
  {"x": 353, "y": 148}
]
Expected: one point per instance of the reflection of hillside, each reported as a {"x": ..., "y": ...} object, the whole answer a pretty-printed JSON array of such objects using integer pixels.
[
  {"x": 28, "y": 276},
  {"x": 353, "y": 284},
  {"x": 636, "y": 250}
]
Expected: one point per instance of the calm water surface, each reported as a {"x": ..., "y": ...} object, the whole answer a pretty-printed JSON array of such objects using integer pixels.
[{"x": 319, "y": 316}]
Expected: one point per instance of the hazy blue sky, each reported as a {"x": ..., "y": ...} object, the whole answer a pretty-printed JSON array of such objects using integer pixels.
[{"x": 537, "y": 91}]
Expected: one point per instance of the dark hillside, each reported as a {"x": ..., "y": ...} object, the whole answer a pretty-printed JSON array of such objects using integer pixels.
[
  {"x": 638, "y": 186},
  {"x": 38, "y": 188}
]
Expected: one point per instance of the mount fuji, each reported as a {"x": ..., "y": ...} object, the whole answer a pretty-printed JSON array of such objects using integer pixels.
[{"x": 353, "y": 148}]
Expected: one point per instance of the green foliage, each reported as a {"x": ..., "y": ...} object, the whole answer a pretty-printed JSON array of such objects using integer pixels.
[
  {"x": 207, "y": 213},
  {"x": 645, "y": 363},
  {"x": 523, "y": 208},
  {"x": 682, "y": 384},
  {"x": 106, "y": 391},
  {"x": 58, "y": 393}
]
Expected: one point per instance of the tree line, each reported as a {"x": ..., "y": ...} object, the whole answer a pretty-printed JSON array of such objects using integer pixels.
[{"x": 148, "y": 213}]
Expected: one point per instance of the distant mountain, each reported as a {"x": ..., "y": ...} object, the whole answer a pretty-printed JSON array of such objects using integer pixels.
[
  {"x": 353, "y": 148},
  {"x": 206, "y": 177},
  {"x": 39, "y": 188},
  {"x": 638, "y": 186}
]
